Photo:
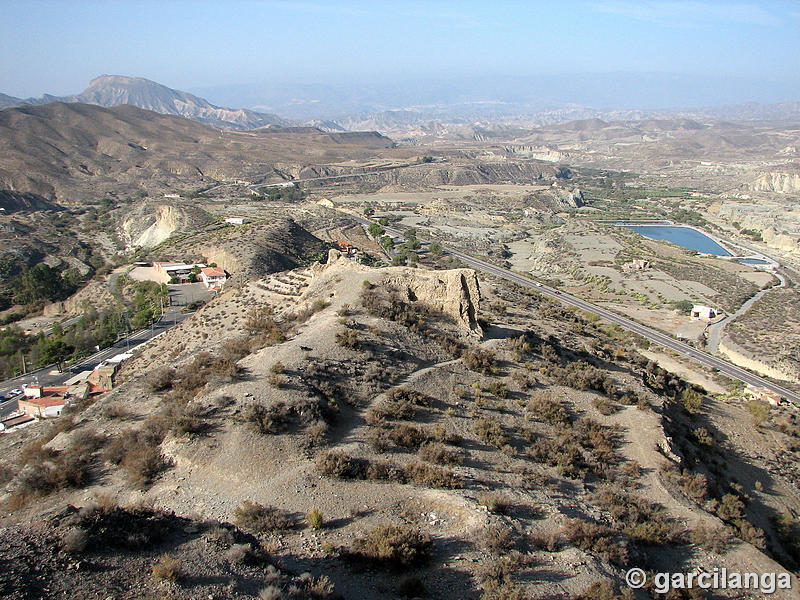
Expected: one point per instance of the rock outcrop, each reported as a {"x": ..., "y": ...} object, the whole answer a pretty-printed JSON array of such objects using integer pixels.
[
  {"x": 780, "y": 241},
  {"x": 455, "y": 292}
]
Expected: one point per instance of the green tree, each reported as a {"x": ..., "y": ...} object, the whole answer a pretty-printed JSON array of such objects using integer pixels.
[
  {"x": 683, "y": 306},
  {"x": 369, "y": 211},
  {"x": 383, "y": 221},
  {"x": 37, "y": 284},
  {"x": 387, "y": 242},
  {"x": 52, "y": 350},
  {"x": 412, "y": 243},
  {"x": 435, "y": 249},
  {"x": 375, "y": 230}
]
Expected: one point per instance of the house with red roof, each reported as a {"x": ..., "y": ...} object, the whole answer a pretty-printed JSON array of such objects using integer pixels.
[{"x": 213, "y": 277}]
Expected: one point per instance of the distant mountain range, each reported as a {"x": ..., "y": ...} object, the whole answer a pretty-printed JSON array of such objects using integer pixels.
[
  {"x": 114, "y": 90},
  {"x": 437, "y": 110}
]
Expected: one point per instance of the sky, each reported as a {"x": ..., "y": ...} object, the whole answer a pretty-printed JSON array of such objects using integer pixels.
[{"x": 58, "y": 47}]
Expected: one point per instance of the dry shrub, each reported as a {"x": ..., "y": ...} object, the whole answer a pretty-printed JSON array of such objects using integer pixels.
[
  {"x": 644, "y": 521},
  {"x": 191, "y": 379},
  {"x": 138, "y": 452},
  {"x": 480, "y": 360},
  {"x": 694, "y": 485},
  {"x": 45, "y": 471},
  {"x": 428, "y": 475},
  {"x": 604, "y": 590},
  {"x": 303, "y": 315},
  {"x": 237, "y": 348},
  {"x": 257, "y": 518},
  {"x": 496, "y": 502},
  {"x": 596, "y": 538},
  {"x": 162, "y": 379},
  {"x": 605, "y": 406},
  {"x": 262, "y": 322},
  {"x": 336, "y": 463},
  {"x": 185, "y": 420},
  {"x": 393, "y": 546},
  {"x": 267, "y": 419},
  {"x": 712, "y": 539},
  {"x": 549, "y": 542},
  {"x": 490, "y": 432},
  {"x": 116, "y": 410},
  {"x": 438, "y": 453},
  {"x": 74, "y": 540},
  {"x": 167, "y": 568},
  {"x": 245, "y": 554},
  {"x": 497, "y": 538},
  {"x": 348, "y": 338},
  {"x": 407, "y": 436},
  {"x": 143, "y": 464},
  {"x": 548, "y": 410}
]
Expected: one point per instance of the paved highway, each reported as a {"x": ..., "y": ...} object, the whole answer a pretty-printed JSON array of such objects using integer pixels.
[{"x": 704, "y": 358}]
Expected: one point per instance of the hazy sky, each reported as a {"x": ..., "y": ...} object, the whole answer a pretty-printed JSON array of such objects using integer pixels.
[{"x": 57, "y": 47}]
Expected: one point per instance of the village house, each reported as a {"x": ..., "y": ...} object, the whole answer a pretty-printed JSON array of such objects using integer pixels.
[
  {"x": 213, "y": 277},
  {"x": 48, "y": 402},
  {"x": 236, "y": 220},
  {"x": 347, "y": 248},
  {"x": 43, "y": 402}
]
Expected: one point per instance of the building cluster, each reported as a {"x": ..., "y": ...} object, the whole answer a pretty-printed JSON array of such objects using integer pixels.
[
  {"x": 211, "y": 277},
  {"x": 347, "y": 249},
  {"x": 47, "y": 402}
]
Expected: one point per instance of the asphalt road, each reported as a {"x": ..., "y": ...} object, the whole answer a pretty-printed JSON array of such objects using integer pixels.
[
  {"x": 682, "y": 348},
  {"x": 172, "y": 316}
]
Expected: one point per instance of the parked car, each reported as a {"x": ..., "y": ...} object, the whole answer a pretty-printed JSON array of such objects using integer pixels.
[{"x": 15, "y": 392}]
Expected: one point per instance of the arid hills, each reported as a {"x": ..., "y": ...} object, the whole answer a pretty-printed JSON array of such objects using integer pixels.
[{"x": 392, "y": 424}]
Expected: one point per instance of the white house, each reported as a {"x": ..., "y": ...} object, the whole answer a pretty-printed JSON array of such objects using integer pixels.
[
  {"x": 213, "y": 277},
  {"x": 704, "y": 312},
  {"x": 236, "y": 220}
]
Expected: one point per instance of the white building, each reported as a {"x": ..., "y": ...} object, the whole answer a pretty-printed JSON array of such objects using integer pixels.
[
  {"x": 236, "y": 220},
  {"x": 213, "y": 277},
  {"x": 704, "y": 312}
]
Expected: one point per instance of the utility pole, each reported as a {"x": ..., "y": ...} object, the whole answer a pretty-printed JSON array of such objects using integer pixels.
[{"x": 23, "y": 364}]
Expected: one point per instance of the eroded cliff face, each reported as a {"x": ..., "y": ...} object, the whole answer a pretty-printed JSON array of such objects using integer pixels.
[
  {"x": 781, "y": 241},
  {"x": 774, "y": 181},
  {"x": 150, "y": 224}
]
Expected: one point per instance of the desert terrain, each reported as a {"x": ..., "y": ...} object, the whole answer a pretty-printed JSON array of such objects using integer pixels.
[{"x": 393, "y": 424}]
